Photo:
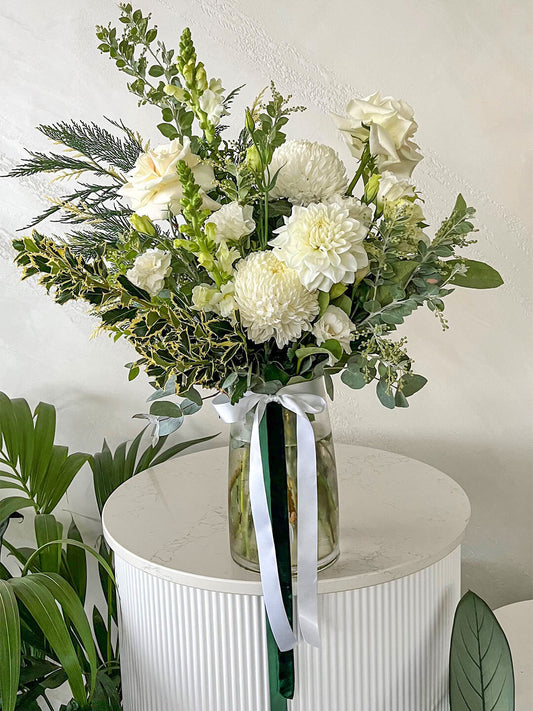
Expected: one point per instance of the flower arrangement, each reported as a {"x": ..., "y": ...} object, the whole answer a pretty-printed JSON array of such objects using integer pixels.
[{"x": 247, "y": 263}]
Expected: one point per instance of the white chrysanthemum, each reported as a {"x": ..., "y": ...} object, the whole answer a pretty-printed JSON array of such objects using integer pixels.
[
  {"x": 232, "y": 222},
  {"x": 150, "y": 270},
  {"x": 308, "y": 172},
  {"x": 154, "y": 188},
  {"x": 388, "y": 125},
  {"x": 334, "y": 323},
  {"x": 271, "y": 299},
  {"x": 323, "y": 244}
]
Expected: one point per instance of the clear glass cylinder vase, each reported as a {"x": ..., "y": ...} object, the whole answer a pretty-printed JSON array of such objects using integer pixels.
[{"x": 241, "y": 526}]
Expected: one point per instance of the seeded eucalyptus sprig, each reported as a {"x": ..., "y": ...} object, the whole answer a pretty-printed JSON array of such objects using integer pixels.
[{"x": 151, "y": 66}]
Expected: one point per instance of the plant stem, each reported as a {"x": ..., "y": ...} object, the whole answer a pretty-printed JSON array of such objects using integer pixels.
[{"x": 364, "y": 160}]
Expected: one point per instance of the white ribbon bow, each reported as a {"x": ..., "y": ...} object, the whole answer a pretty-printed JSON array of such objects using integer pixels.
[{"x": 301, "y": 404}]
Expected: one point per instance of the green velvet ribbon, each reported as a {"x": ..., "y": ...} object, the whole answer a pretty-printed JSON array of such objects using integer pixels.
[{"x": 272, "y": 439}]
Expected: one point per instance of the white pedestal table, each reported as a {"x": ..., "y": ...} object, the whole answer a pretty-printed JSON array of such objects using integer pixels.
[{"x": 192, "y": 625}]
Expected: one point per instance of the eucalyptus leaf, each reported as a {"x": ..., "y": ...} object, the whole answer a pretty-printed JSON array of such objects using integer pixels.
[
  {"x": 353, "y": 378},
  {"x": 385, "y": 394},
  {"x": 411, "y": 383}
]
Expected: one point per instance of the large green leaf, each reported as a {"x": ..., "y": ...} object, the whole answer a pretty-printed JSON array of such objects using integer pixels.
[
  {"x": 9, "y": 646},
  {"x": 45, "y": 429},
  {"x": 74, "y": 611},
  {"x": 11, "y": 504},
  {"x": 47, "y": 529},
  {"x": 179, "y": 447},
  {"x": 42, "y": 606},
  {"x": 76, "y": 562},
  {"x": 481, "y": 668},
  {"x": 478, "y": 276}
]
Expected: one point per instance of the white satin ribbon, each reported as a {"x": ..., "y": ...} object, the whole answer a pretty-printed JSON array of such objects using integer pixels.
[{"x": 302, "y": 404}]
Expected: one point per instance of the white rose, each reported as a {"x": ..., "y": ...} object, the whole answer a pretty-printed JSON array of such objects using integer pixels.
[
  {"x": 153, "y": 186},
  {"x": 388, "y": 125},
  {"x": 232, "y": 222},
  {"x": 150, "y": 270},
  {"x": 391, "y": 187},
  {"x": 334, "y": 323},
  {"x": 211, "y": 101}
]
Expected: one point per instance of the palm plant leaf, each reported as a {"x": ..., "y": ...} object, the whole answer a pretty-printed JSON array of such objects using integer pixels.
[
  {"x": 9, "y": 647},
  {"x": 41, "y": 604}
]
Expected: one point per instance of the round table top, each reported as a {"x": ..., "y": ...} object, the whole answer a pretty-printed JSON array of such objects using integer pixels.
[
  {"x": 517, "y": 623},
  {"x": 397, "y": 516}
]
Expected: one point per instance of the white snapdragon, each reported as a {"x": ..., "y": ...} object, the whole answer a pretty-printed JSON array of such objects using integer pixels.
[
  {"x": 232, "y": 222},
  {"x": 272, "y": 301},
  {"x": 334, "y": 324},
  {"x": 308, "y": 172},
  {"x": 211, "y": 101},
  {"x": 220, "y": 301},
  {"x": 150, "y": 270},
  {"x": 154, "y": 188},
  {"x": 388, "y": 125},
  {"x": 323, "y": 244}
]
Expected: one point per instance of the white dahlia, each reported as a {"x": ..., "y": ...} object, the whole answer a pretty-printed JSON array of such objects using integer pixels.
[
  {"x": 334, "y": 323},
  {"x": 323, "y": 244},
  {"x": 232, "y": 222},
  {"x": 271, "y": 300},
  {"x": 308, "y": 172},
  {"x": 388, "y": 125}
]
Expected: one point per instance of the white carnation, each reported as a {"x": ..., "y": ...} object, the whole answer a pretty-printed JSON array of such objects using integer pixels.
[
  {"x": 334, "y": 323},
  {"x": 150, "y": 270},
  {"x": 211, "y": 101},
  {"x": 308, "y": 172},
  {"x": 232, "y": 222},
  {"x": 153, "y": 186},
  {"x": 388, "y": 125},
  {"x": 391, "y": 187},
  {"x": 271, "y": 300},
  {"x": 323, "y": 244}
]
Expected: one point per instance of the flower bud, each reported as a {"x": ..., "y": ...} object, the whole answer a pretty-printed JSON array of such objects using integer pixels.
[
  {"x": 253, "y": 160},
  {"x": 249, "y": 121},
  {"x": 201, "y": 78},
  {"x": 371, "y": 188},
  {"x": 143, "y": 224},
  {"x": 177, "y": 92}
]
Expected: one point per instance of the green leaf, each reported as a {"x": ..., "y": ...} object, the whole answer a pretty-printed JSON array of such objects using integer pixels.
[
  {"x": 48, "y": 529},
  {"x": 330, "y": 389},
  {"x": 353, "y": 378},
  {"x": 156, "y": 71},
  {"x": 177, "y": 448},
  {"x": 481, "y": 667},
  {"x": 77, "y": 562},
  {"x": 41, "y": 604},
  {"x": 166, "y": 409},
  {"x": 372, "y": 306},
  {"x": 45, "y": 429},
  {"x": 345, "y": 303},
  {"x": 132, "y": 289},
  {"x": 337, "y": 290},
  {"x": 168, "y": 130},
  {"x": 323, "y": 302},
  {"x": 9, "y": 647},
  {"x": 478, "y": 276},
  {"x": 58, "y": 481},
  {"x": 73, "y": 609},
  {"x": 411, "y": 383},
  {"x": 400, "y": 400},
  {"x": 385, "y": 394},
  {"x": 11, "y": 504}
]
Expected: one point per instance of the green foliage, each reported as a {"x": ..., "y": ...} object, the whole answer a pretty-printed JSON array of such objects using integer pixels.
[
  {"x": 481, "y": 667},
  {"x": 150, "y": 66},
  {"x": 31, "y": 462},
  {"x": 111, "y": 469}
]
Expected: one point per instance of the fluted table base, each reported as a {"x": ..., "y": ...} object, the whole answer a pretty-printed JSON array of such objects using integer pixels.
[{"x": 384, "y": 647}]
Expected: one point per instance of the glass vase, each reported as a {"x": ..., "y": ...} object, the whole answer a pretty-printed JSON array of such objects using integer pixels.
[{"x": 241, "y": 526}]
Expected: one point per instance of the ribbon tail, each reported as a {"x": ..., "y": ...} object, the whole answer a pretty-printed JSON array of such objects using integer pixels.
[{"x": 307, "y": 604}]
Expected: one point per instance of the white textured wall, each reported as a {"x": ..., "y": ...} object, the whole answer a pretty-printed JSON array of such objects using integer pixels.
[{"x": 467, "y": 69}]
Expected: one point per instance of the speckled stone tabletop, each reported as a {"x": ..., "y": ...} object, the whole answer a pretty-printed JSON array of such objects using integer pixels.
[{"x": 398, "y": 516}]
